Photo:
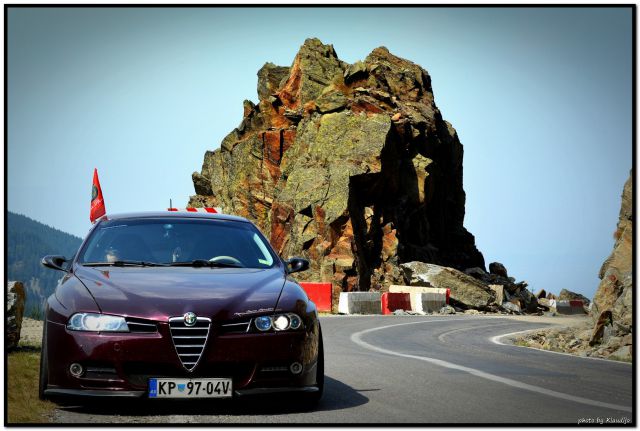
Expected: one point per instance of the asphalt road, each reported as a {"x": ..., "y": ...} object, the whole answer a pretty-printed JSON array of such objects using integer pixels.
[{"x": 415, "y": 369}]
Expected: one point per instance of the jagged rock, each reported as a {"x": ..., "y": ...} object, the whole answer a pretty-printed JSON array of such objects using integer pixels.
[
  {"x": 544, "y": 302},
  {"x": 511, "y": 307},
  {"x": 350, "y": 166},
  {"x": 466, "y": 291},
  {"x": 624, "y": 352},
  {"x": 15, "y": 311},
  {"x": 498, "y": 291},
  {"x": 541, "y": 294},
  {"x": 569, "y": 295},
  {"x": 202, "y": 184},
  {"x": 604, "y": 321},
  {"x": 357, "y": 70},
  {"x": 615, "y": 292},
  {"x": 331, "y": 100},
  {"x": 477, "y": 273},
  {"x": 447, "y": 309},
  {"x": 498, "y": 269},
  {"x": 269, "y": 78}
]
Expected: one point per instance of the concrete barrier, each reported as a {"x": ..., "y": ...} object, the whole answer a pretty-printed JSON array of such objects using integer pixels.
[
  {"x": 414, "y": 298},
  {"x": 319, "y": 293},
  {"x": 430, "y": 301},
  {"x": 360, "y": 303},
  {"x": 394, "y": 288},
  {"x": 570, "y": 307}
]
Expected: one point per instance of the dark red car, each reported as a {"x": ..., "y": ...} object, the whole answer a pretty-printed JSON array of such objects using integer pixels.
[{"x": 179, "y": 305}]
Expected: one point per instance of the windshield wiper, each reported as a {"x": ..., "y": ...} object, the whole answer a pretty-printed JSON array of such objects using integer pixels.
[
  {"x": 202, "y": 262},
  {"x": 124, "y": 263}
]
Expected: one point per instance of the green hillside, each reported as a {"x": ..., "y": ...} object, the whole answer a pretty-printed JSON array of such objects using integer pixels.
[{"x": 27, "y": 242}]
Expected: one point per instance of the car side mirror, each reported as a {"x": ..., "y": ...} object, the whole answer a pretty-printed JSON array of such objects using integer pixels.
[
  {"x": 297, "y": 264},
  {"x": 55, "y": 262}
]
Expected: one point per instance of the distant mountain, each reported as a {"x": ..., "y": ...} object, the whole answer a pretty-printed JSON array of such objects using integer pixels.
[{"x": 27, "y": 242}]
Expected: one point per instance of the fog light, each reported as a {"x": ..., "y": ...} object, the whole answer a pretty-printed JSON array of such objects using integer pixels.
[
  {"x": 76, "y": 370},
  {"x": 296, "y": 368}
]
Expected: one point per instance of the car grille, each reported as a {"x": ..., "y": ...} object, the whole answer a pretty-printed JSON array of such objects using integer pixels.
[{"x": 189, "y": 340}]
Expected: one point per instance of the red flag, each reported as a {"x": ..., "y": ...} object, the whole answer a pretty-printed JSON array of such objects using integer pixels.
[{"x": 97, "y": 202}]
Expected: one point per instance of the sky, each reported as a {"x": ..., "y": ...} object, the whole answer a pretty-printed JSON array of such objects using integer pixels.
[{"x": 541, "y": 99}]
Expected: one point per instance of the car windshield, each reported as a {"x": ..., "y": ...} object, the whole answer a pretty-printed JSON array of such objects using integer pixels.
[{"x": 179, "y": 242}]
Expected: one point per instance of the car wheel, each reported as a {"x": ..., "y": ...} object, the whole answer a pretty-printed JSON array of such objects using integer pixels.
[
  {"x": 44, "y": 364},
  {"x": 310, "y": 400}
]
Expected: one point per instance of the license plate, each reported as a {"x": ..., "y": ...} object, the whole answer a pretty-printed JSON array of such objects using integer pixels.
[{"x": 190, "y": 388}]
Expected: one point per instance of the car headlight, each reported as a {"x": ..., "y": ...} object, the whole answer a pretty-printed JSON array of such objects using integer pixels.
[
  {"x": 97, "y": 323},
  {"x": 295, "y": 320},
  {"x": 279, "y": 322},
  {"x": 263, "y": 323}
]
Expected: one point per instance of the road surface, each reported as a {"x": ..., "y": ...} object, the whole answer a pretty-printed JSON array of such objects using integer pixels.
[{"x": 421, "y": 370}]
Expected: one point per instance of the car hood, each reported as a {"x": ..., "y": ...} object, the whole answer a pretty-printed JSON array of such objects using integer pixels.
[{"x": 159, "y": 293}]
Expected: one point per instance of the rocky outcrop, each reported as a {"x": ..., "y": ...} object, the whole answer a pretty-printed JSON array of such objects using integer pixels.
[
  {"x": 466, "y": 291},
  {"x": 511, "y": 296},
  {"x": 349, "y": 165},
  {"x": 613, "y": 300},
  {"x": 576, "y": 340},
  {"x": 15, "y": 311}
]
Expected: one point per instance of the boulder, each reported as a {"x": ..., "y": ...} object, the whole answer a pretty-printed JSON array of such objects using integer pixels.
[
  {"x": 541, "y": 294},
  {"x": 511, "y": 307},
  {"x": 544, "y": 302},
  {"x": 15, "y": 312},
  {"x": 350, "y": 166},
  {"x": 447, "y": 309},
  {"x": 498, "y": 291},
  {"x": 477, "y": 273},
  {"x": 498, "y": 269},
  {"x": 466, "y": 291}
]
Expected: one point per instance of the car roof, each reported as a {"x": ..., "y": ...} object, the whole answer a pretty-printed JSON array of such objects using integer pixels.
[{"x": 175, "y": 214}]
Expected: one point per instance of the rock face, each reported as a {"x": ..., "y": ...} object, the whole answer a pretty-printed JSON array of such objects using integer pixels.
[
  {"x": 466, "y": 291},
  {"x": 15, "y": 311},
  {"x": 351, "y": 166},
  {"x": 615, "y": 292}
]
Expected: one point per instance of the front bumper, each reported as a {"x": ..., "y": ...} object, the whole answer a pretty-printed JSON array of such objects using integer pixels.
[
  {"x": 121, "y": 364},
  {"x": 143, "y": 394}
]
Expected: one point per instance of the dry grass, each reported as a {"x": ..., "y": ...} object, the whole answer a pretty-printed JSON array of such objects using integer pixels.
[{"x": 22, "y": 388}]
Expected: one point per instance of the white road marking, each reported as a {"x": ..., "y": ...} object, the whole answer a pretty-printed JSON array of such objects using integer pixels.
[
  {"x": 357, "y": 339},
  {"x": 497, "y": 339},
  {"x": 442, "y": 336}
]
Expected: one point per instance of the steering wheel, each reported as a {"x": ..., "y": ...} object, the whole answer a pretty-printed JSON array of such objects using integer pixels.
[{"x": 228, "y": 258}]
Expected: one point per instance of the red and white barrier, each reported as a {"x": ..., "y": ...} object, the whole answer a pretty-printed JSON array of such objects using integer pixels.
[
  {"x": 197, "y": 210},
  {"x": 570, "y": 307},
  {"x": 319, "y": 293},
  {"x": 391, "y": 302},
  {"x": 412, "y": 298}
]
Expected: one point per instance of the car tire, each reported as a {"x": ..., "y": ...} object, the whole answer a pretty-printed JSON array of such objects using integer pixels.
[
  {"x": 311, "y": 400},
  {"x": 43, "y": 381}
]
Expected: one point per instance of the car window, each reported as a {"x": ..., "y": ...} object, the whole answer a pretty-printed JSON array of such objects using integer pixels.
[{"x": 174, "y": 240}]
